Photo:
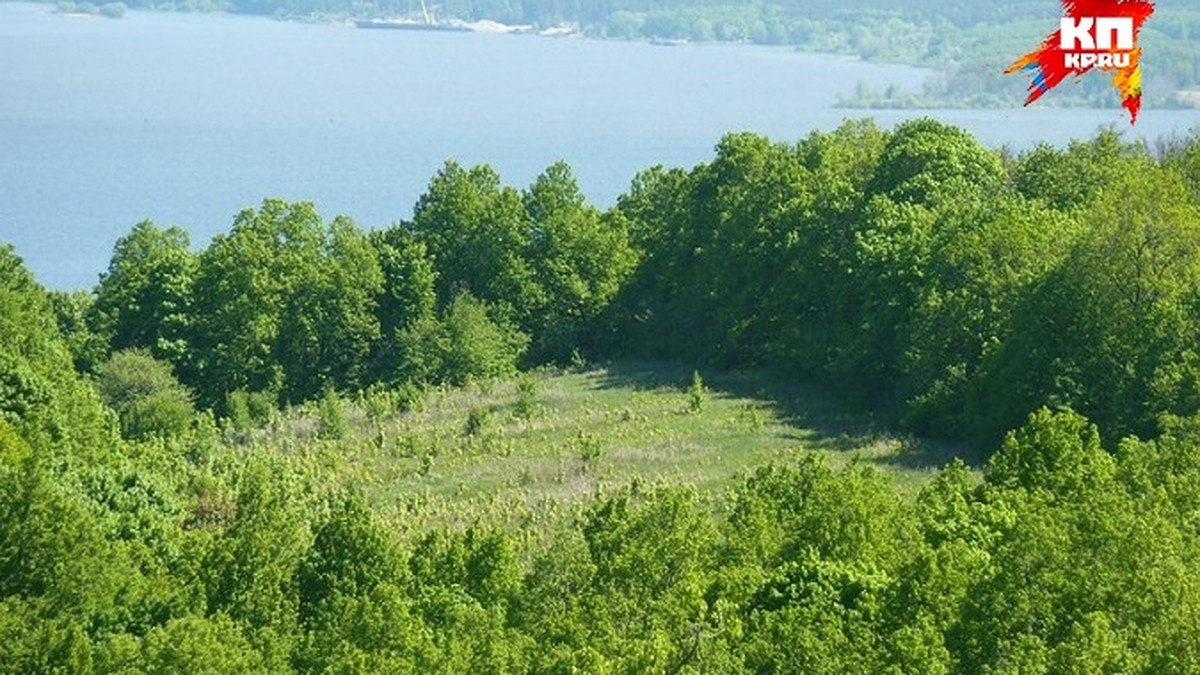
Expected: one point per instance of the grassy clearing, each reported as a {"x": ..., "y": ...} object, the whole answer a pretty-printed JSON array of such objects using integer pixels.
[{"x": 536, "y": 446}]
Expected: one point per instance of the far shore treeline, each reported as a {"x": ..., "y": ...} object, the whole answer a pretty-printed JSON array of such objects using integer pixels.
[
  {"x": 156, "y": 516},
  {"x": 966, "y": 41}
]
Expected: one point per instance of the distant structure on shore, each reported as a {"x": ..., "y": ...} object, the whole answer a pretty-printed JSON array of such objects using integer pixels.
[
  {"x": 429, "y": 22},
  {"x": 409, "y": 24}
]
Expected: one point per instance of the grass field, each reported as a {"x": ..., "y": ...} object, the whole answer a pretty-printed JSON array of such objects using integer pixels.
[{"x": 541, "y": 443}]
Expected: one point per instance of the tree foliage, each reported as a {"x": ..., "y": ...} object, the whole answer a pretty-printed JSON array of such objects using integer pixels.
[
  {"x": 958, "y": 291},
  {"x": 144, "y": 299},
  {"x": 145, "y": 395}
]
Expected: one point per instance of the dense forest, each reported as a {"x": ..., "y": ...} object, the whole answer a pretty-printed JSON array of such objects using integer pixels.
[{"x": 1043, "y": 307}]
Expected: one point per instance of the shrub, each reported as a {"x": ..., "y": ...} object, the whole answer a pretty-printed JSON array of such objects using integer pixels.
[
  {"x": 527, "y": 389},
  {"x": 467, "y": 344},
  {"x": 332, "y": 420},
  {"x": 246, "y": 410},
  {"x": 145, "y": 395},
  {"x": 588, "y": 446},
  {"x": 696, "y": 395},
  {"x": 477, "y": 419}
]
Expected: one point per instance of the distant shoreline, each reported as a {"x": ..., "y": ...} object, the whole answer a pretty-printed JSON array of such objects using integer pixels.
[{"x": 1186, "y": 99}]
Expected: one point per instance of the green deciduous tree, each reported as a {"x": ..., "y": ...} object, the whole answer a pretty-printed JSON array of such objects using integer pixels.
[
  {"x": 927, "y": 162},
  {"x": 1071, "y": 179},
  {"x": 41, "y": 395},
  {"x": 986, "y": 255},
  {"x": 477, "y": 233},
  {"x": 286, "y": 305},
  {"x": 350, "y": 556},
  {"x": 249, "y": 572},
  {"x": 652, "y": 559},
  {"x": 1056, "y": 452},
  {"x": 1109, "y": 331},
  {"x": 196, "y": 645},
  {"x": 144, "y": 299},
  {"x": 328, "y": 326},
  {"x": 407, "y": 295},
  {"x": 75, "y": 314},
  {"x": 245, "y": 281},
  {"x": 579, "y": 258}
]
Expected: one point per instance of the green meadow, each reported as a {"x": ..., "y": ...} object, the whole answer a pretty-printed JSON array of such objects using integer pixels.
[{"x": 549, "y": 441}]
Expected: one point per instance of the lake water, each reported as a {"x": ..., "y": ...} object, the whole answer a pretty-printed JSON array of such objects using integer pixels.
[{"x": 187, "y": 119}]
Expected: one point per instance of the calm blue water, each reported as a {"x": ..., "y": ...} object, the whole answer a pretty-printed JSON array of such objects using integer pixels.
[{"x": 187, "y": 119}]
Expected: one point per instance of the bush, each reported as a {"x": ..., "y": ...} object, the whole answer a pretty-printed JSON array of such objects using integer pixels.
[
  {"x": 246, "y": 410},
  {"x": 479, "y": 346},
  {"x": 378, "y": 401},
  {"x": 588, "y": 446},
  {"x": 332, "y": 421},
  {"x": 477, "y": 419},
  {"x": 527, "y": 389},
  {"x": 696, "y": 395},
  {"x": 467, "y": 344},
  {"x": 145, "y": 395}
]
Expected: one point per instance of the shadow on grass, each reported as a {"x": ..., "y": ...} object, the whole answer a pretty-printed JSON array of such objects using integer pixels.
[
  {"x": 932, "y": 453},
  {"x": 819, "y": 418}
]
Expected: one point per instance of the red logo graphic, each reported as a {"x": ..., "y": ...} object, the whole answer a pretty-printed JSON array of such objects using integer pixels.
[{"x": 1094, "y": 34}]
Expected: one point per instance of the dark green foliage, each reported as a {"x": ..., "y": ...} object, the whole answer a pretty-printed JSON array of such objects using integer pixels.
[
  {"x": 350, "y": 558},
  {"x": 1109, "y": 331},
  {"x": 580, "y": 260},
  {"x": 33, "y": 642},
  {"x": 925, "y": 276},
  {"x": 475, "y": 232},
  {"x": 1039, "y": 173},
  {"x": 926, "y": 161},
  {"x": 329, "y": 327},
  {"x": 45, "y": 536},
  {"x": 144, "y": 299},
  {"x": 245, "y": 282},
  {"x": 913, "y": 268},
  {"x": 477, "y": 419},
  {"x": 285, "y": 304},
  {"x": 250, "y": 571},
  {"x": 407, "y": 297},
  {"x": 545, "y": 258},
  {"x": 986, "y": 255}
]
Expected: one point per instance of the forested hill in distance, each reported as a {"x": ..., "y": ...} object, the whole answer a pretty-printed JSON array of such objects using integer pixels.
[
  {"x": 969, "y": 43},
  {"x": 310, "y": 448}
]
